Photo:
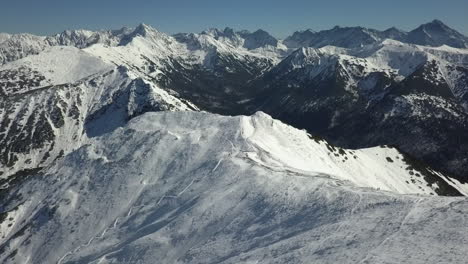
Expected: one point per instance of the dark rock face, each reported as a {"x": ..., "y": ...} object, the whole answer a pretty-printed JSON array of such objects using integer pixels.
[
  {"x": 218, "y": 87},
  {"x": 436, "y": 33},
  {"x": 257, "y": 39},
  {"x": 348, "y": 37},
  {"x": 16, "y": 81}
]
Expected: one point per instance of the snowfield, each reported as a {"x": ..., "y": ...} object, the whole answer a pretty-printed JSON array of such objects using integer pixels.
[
  {"x": 194, "y": 187},
  {"x": 60, "y": 65}
]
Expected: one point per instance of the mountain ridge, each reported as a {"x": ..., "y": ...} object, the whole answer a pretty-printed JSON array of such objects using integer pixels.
[
  {"x": 214, "y": 71},
  {"x": 434, "y": 33},
  {"x": 84, "y": 38},
  {"x": 229, "y": 147},
  {"x": 137, "y": 200},
  {"x": 220, "y": 75}
]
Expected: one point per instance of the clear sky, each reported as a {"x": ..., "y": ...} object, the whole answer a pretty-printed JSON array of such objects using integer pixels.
[{"x": 280, "y": 18}]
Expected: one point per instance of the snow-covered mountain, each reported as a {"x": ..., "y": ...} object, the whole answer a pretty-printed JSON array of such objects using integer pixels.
[
  {"x": 49, "y": 101},
  {"x": 238, "y": 72},
  {"x": 108, "y": 152},
  {"x": 394, "y": 59},
  {"x": 4, "y": 37},
  {"x": 426, "y": 126},
  {"x": 434, "y": 33},
  {"x": 17, "y": 46},
  {"x": 201, "y": 188},
  {"x": 393, "y": 93},
  {"x": 258, "y": 42}
]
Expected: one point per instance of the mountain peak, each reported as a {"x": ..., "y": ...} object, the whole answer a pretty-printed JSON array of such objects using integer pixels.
[
  {"x": 435, "y": 25},
  {"x": 143, "y": 25},
  {"x": 259, "y": 38},
  {"x": 260, "y": 31},
  {"x": 393, "y": 29},
  {"x": 299, "y": 38},
  {"x": 228, "y": 30},
  {"x": 143, "y": 29},
  {"x": 436, "y": 33},
  {"x": 306, "y": 31},
  {"x": 436, "y": 22},
  {"x": 216, "y": 33}
]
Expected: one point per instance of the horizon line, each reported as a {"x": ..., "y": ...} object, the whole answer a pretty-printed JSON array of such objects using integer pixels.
[{"x": 224, "y": 28}]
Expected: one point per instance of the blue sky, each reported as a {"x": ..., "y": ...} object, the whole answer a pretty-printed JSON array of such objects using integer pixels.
[{"x": 280, "y": 18}]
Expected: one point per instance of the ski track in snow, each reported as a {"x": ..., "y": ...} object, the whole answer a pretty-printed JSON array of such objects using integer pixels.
[
  {"x": 265, "y": 144},
  {"x": 114, "y": 226},
  {"x": 402, "y": 224}
]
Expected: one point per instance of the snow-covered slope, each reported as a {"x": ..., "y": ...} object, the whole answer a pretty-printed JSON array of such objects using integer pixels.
[
  {"x": 198, "y": 67},
  {"x": 147, "y": 47},
  {"x": 53, "y": 66},
  {"x": 19, "y": 46},
  {"x": 200, "y": 188},
  {"x": 87, "y": 175},
  {"x": 86, "y": 38},
  {"x": 258, "y": 43},
  {"x": 394, "y": 59},
  {"x": 283, "y": 147},
  {"x": 41, "y": 125},
  {"x": 390, "y": 93},
  {"x": 4, "y": 37}
]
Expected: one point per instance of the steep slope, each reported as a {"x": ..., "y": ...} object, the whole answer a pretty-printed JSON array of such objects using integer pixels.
[
  {"x": 231, "y": 72},
  {"x": 258, "y": 39},
  {"x": 436, "y": 33},
  {"x": 86, "y": 38},
  {"x": 391, "y": 93},
  {"x": 247, "y": 189},
  {"x": 347, "y": 37},
  {"x": 4, "y": 37},
  {"x": 394, "y": 33},
  {"x": 196, "y": 66},
  {"x": 49, "y": 101},
  {"x": 53, "y": 66},
  {"x": 259, "y": 43},
  {"x": 299, "y": 39},
  {"x": 19, "y": 46}
]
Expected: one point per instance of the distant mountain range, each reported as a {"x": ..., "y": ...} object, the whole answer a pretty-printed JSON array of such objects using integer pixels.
[
  {"x": 432, "y": 34},
  {"x": 353, "y": 86}
]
